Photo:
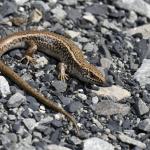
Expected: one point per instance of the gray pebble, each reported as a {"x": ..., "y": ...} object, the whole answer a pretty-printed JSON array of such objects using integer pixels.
[
  {"x": 60, "y": 86},
  {"x": 30, "y": 123},
  {"x": 97, "y": 144},
  {"x": 16, "y": 100},
  {"x": 144, "y": 125},
  {"x": 74, "y": 106}
]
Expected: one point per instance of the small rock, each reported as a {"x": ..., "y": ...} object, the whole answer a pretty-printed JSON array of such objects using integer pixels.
[
  {"x": 144, "y": 125},
  {"x": 110, "y": 25},
  {"x": 97, "y": 9},
  {"x": 89, "y": 17},
  {"x": 60, "y": 86},
  {"x": 74, "y": 106},
  {"x": 24, "y": 146},
  {"x": 72, "y": 34},
  {"x": 132, "y": 17},
  {"x": 129, "y": 140},
  {"x": 21, "y": 2},
  {"x": 4, "y": 87},
  {"x": 115, "y": 93},
  {"x": 99, "y": 125},
  {"x": 114, "y": 108},
  {"x": 82, "y": 96},
  {"x": 142, "y": 108},
  {"x": 105, "y": 63},
  {"x": 41, "y": 6},
  {"x": 133, "y": 5},
  {"x": 74, "y": 14},
  {"x": 57, "y": 147},
  {"x": 16, "y": 100},
  {"x": 8, "y": 8},
  {"x": 33, "y": 104},
  {"x": 144, "y": 30},
  {"x": 56, "y": 123},
  {"x": 41, "y": 62},
  {"x": 89, "y": 47},
  {"x": 70, "y": 2},
  {"x": 97, "y": 144},
  {"x": 95, "y": 100},
  {"x": 59, "y": 13},
  {"x": 52, "y": 2},
  {"x": 74, "y": 140},
  {"x": 30, "y": 123},
  {"x": 36, "y": 16},
  {"x": 46, "y": 120},
  {"x": 65, "y": 100},
  {"x": 143, "y": 73}
]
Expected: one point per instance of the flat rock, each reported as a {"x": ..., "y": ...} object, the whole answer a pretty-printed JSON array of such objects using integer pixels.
[
  {"x": 89, "y": 17},
  {"x": 143, "y": 73},
  {"x": 126, "y": 139},
  {"x": 60, "y": 86},
  {"x": 74, "y": 106},
  {"x": 97, "y": 9},
  {"x": 21, "y": 2},
  {"x": 59, "y": 13},
  {"x": 57, "y": 147},
  {"x": 30, "y": 123},
  {"x": 41, "y": 62},
  {"x": 16, "y": 100},
  {"x": 4, "y": 87},
  {"x": 144, "y": 125},
  {"x": 114, "y": 108},
  {"x": 8, "y": 8},
  {"x": 70, "y": 2},
  {"x": 97, "y": 144},
  {"x": 72, "y": 33},
  {"x": 139, "y": 6},
  {"x": 142, "y": 108},
  {"x": 144, "y": 30},
  {"x": 116, "y": 93}
]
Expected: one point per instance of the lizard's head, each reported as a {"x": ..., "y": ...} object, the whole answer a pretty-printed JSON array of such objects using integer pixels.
[{"x": 92, "y": 75}]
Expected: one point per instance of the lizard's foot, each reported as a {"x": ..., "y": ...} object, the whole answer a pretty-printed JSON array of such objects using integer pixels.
[
  {"x": 29, "y": 59},
  {"x": 63, "y": 76}
]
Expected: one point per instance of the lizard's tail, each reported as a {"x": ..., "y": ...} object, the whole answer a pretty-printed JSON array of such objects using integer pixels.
[{"x": 25, "y": 86}]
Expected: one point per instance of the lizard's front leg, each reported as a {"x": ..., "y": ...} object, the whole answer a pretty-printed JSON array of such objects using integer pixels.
[
  {"x": 32, "y": 48},
  {"x": 62, "y": 71}
]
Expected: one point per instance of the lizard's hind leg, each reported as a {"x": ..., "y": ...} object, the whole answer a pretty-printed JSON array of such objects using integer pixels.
[
  {"x": 32, "y": 48},
  {"x": 62, "y": 71}
]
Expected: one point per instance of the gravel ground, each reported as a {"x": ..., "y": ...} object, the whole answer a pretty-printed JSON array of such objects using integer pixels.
[{"x": 114, "y": 36}]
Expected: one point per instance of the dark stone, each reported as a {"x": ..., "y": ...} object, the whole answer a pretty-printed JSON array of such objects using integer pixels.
[
  {"x": 33, "y": 104},
  {"x": 147, "y": 87},
  {"x": 16, "y": 54},
  {"x": 65, "y": 100},
  {"x": 16, "y": 126},
  {"x": 146, "y": 97},
  {"x": 55, "y": 136},
  {"x": 56, "y": 123},
  {"x": 143, "y": 49},
  {"x": 97, "y": 9},
  {"x": 25, "y": 113},
  {"x": 37, "y": 116},
  {"x": 40, "y": 5},
  {"x": 127, "y": 125},
  {"x": 74, "y": 14},
  {"x": 8, "y": 8},
  {"x": 48, "y": 77},
  {"x": 114, "y": 126},
  {"x": 59, "y": 86},
  {"x": 74, "y": 106}
]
